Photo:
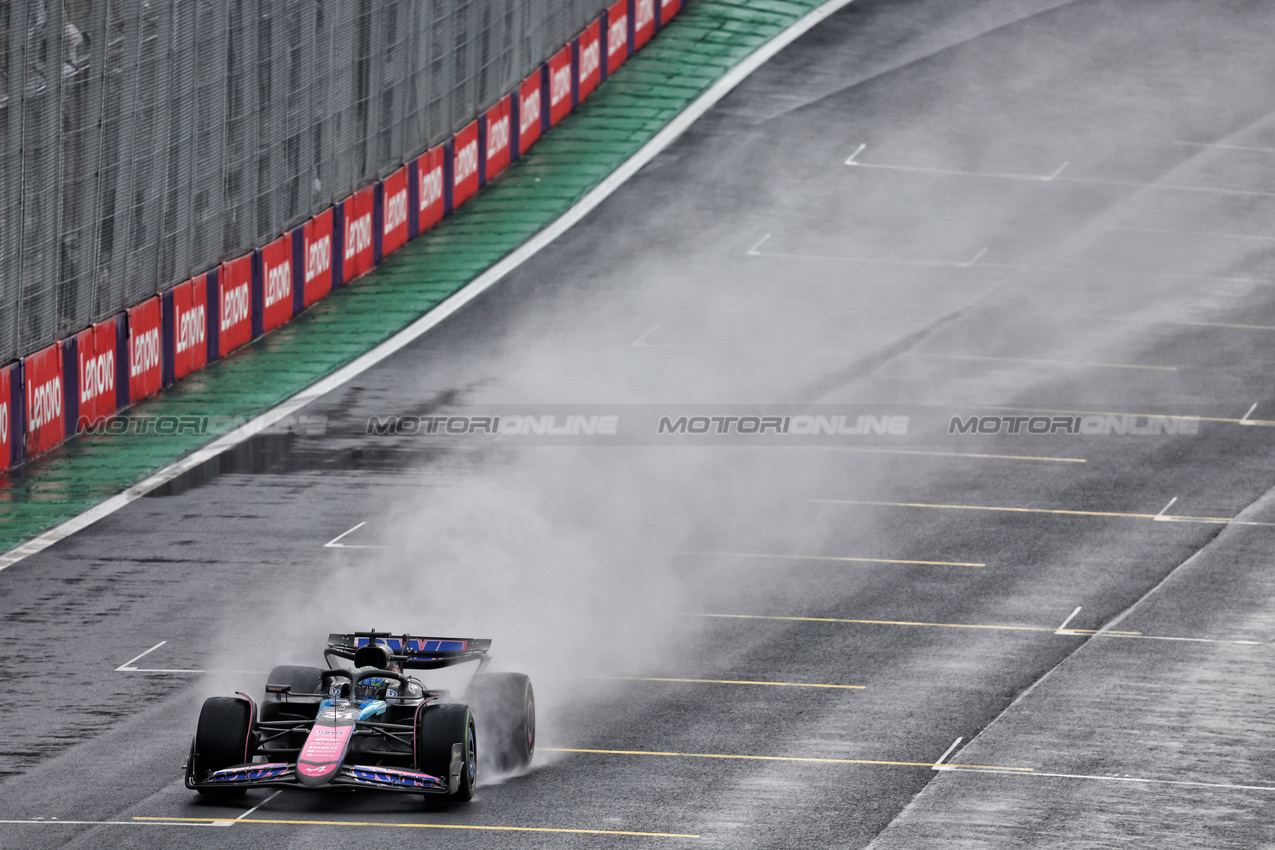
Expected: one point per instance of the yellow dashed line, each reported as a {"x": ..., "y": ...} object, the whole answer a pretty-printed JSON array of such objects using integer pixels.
[
  {"x": 1021, "y": 510},
  {"x": 474, "y": 827},
  {"x": 833, "y": 558},
  {"x": 773, "y": 758},
  {"x": 729, "y": 682},
  {"x": 914, "y": 623}
]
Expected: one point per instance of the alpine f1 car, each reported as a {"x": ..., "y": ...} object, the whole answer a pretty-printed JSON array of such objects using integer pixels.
[{"x": 369, "y": 725}]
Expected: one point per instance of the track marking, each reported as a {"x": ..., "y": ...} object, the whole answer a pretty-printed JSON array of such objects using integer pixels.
[
  {"x": 56, "y": 822},
  {"x": 259, "y": 805},
  {"x": 938, "y": 765},
  {"x": 1050, "y": 362},
  {"x": 1004, "y": 175},
  {"x": 976, "y": 258},
  {"x": 1060, "y": 511},
  {"x": 1160, "y": 517},
  {"x": 1058, "y": 171},
  {"x": 774, "y": 758},
  {"x": 661, "y": 140},
  {"x": 1092, "y": 317},
  {"x": 929, "y": 264},
  {"x": 384, "y": 824},
  {"x": 1223, "y": 419},
  {"x": 1063, "y": 630},
  {"x": 753, "y": 251},
  {"x": 1111, "y": 633},
  {"x": 1142, "y": 780},
  {"x": 1017, "y": 267},
  {"x": 1224, "y": 146},
  {"x": 1041, "y": 458},
  {"x": 828, "y": 558},
  {"x": 729, "y": 682},
  {"x": 638, "y": 343},
  {"x": 1055, "y": 178},
  {"x": 128, "y": 665},
  {"x": 986, "y": 627},
  {"x": 1244, "y": 420},
  {"x": 1197, "y": 233},
  {"x": 335, "y": 542}
]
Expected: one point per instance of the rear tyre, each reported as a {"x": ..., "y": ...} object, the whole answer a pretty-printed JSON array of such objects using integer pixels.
[
  {"x": 304, "y": 681},
  {"x": 223, "y": 739},
  {"x": 505, "y": 707},
  {"x": 438, "y": 729}
]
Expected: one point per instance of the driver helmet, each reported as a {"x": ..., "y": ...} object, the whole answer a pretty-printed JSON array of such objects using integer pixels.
[
  {"x": 376, "y": 655},
  {"x": 373, "y": 657}
]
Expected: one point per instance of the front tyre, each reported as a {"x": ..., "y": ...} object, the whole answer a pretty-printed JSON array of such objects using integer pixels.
[
  {"x": 439, "y": 729},
  {"x": 505, "y": 706},
  {"x": 223, "y": 738}
]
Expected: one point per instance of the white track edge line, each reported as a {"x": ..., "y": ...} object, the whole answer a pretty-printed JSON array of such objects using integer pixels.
[{"x": 444, "y": 309}]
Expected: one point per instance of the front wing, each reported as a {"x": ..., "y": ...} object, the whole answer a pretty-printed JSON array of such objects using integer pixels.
[{"x": 276, "y": 774}]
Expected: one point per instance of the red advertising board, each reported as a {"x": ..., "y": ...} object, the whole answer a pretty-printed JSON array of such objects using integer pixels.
[
  {"x": 6, "y": 417},
  {"x": 465, "y": 164},
  {"x": 234, "y": 312},
  {"x": 529, "y": 111},
  {"x": 590, "y": 73},
  {"x": 498, "y": 134},
  {"x": 559, "y": 85},
  {"x": 190, "y": 327},
  {"x": 318, "y": 257},
  {"x": 95, "y": 352},
  {"x": 145, "y": 350},
  {"x": 668, "y": 8},
  {"x": 429, "y": 173},
  {"x": 643, "y": 22},
  {"x": 357, "y": 238},
  {"x": 276, "y": 283},
  {"x": 394, "y": 213},
  {"x": 617, "y": 34},
  {"x": 45, "y": 411}
]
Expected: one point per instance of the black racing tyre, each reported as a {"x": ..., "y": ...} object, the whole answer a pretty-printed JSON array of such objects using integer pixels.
[
  {"x": 505, "y": 707},
  {"x": 304, "y": 681},
  {"x": 438, "y": 728},
  {"x": 223, "y": 738}
]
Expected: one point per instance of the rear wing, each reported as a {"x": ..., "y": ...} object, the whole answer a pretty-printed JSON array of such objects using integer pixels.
[{"x": 413, "y": 651}]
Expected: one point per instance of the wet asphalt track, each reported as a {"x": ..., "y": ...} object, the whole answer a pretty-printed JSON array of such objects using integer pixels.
[{"x": 1061, "y": 211}]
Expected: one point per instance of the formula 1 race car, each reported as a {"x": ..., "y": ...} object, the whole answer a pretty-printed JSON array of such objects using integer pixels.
[{"x": 369, "y": 726}]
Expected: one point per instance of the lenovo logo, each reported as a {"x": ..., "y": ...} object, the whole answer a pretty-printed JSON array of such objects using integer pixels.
[
  {"x": 590, "y": 60},
  {"x": 395, "y": 211},
  {"x": 318, "y": 257},
  {"x": 97, "y": 375},
  {"x": 560, "y": 85},
  {"x": 278, "y": 283},
  {"x": 466, "y": 162},
  {"x": 236, "y": 306},
  {"x": 358, "y": 235},
  {"x": 144, "y": 352},
  {"x": 617, "y": 35},
  {"x": 190, "y": 328},
  {"x": 529, "y": 111},
  {"x": 645, "y": 13},
  {"x": 432, "y": 187},
  {"x": 46, "y": 403},
  {"x": 497, "y": 137}
]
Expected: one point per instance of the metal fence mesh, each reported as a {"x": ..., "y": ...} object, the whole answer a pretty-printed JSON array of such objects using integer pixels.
[{"x": 142, "y": 141}]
